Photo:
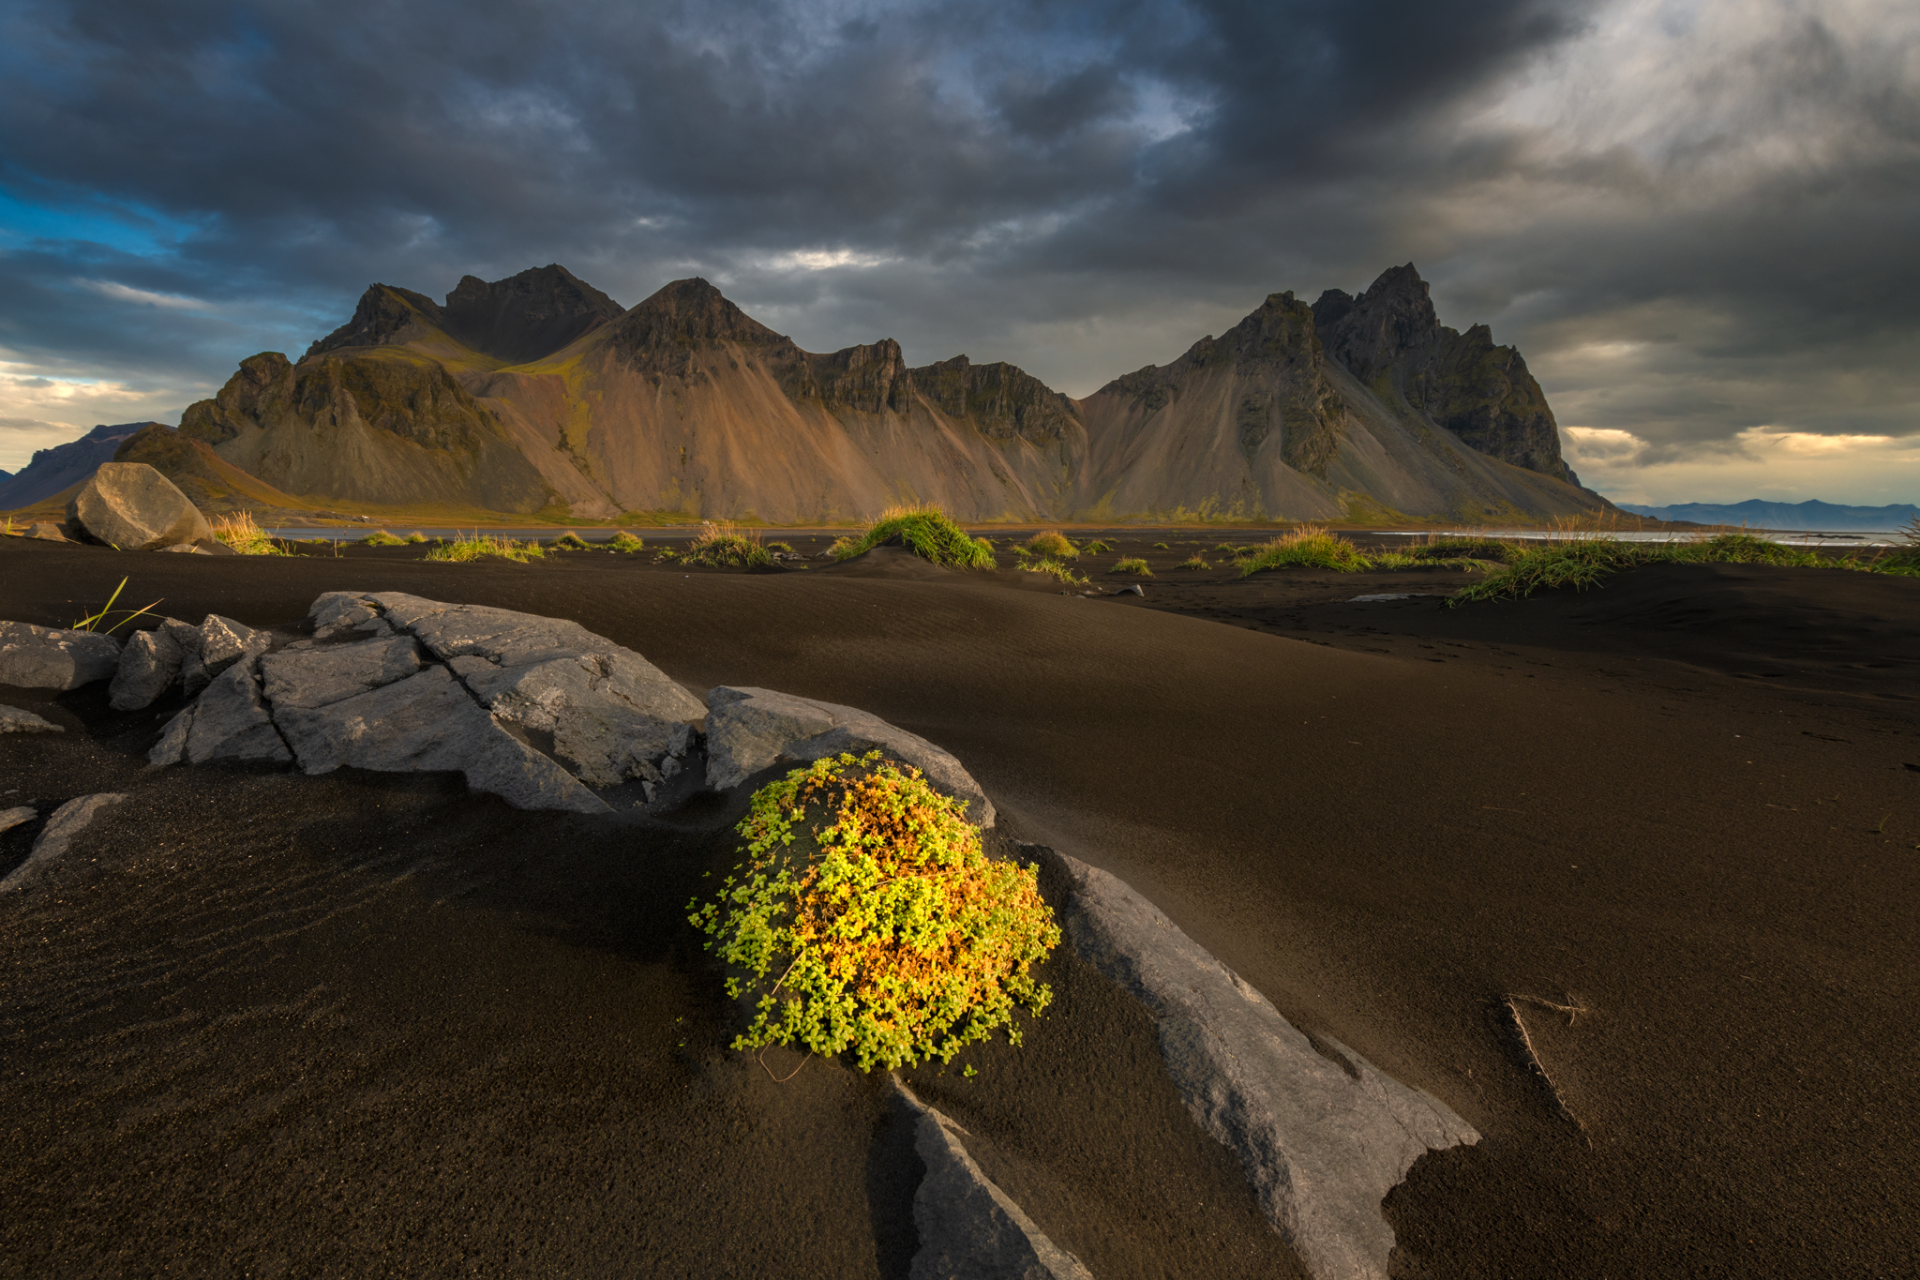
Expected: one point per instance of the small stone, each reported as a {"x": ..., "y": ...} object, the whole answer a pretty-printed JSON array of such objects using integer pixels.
[
  {"x": 47, "y": 531},
  {"x": 17, "y": 816},
  {"x": 68, "y": 821},
  {"x": 19, "y": 720},
  {"x": 47, "y": 658},
  {"x": 132, "y": 507}
]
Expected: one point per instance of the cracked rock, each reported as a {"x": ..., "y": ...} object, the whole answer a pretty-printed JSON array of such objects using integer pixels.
[
  {"x": 317, "y": 677},
  {"x": 149, "y": 664},
  {"x": 48, "y": 658},
  {"x": 429, "y": 722}
]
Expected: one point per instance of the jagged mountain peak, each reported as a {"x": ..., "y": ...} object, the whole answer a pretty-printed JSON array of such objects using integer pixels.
[
  {"x": 687, "y": 313},
  {"x": 385, "y": 315},
  {"x": 1367, "y": 333},
  {"x": 526, "y": 316}
]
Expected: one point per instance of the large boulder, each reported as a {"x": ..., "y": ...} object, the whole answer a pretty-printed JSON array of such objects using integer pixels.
[
  {"x": 131, "y": 506},
  {"x": 749, "y": 729},
  {"x": 149, "y": 664},
  {"x": 49, "y": 658}
]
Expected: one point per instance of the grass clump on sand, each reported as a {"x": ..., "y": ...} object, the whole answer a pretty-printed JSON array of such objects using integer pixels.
[
  {"x": 93, "y": 621},
  {"x": 1583, "y": 561},
  {"x": 459, "y": 550},
  {"x": 571, "y": 541},
  {"x": 726, "y": 546},
  {"x": 381, "y": 538},
  {"x": 1161, "y": 546},
  {"x": 1194, "y": 562},
  {"x": 239, "y": 531},
  {"x": 928, "y": 532},
  {"x": 1097, "y": 547},
  {"x": 1132, "y": 564},
  {"x": 782, "y": 548},
  {"x": 1055, "y": 569},
  {"x": 1050, "y": 544},
  {"x": 626, "y": 542},
  {"x": 416, "y": 538},
  {"x": 1309, "y": 548},
  {"x": 892, "y": 934}
]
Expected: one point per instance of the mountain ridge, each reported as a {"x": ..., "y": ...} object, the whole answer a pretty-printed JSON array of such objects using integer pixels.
[
  {"x": 531, "y": 394},
  {"x": 1811, "y": 514}
]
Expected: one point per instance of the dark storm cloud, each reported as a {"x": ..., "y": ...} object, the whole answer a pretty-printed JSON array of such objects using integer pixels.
[{"x": 1683, "y": 250}]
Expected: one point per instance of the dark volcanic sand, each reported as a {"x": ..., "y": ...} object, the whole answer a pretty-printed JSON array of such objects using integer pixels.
[{"x": 362, "y": 1025}]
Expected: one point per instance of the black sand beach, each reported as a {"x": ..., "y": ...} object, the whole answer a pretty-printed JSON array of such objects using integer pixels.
[{"x": 364, "y": 1025}]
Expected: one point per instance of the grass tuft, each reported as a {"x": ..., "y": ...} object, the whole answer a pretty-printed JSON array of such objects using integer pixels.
[
  {"x": 1054, "y": 568},
  {"x": 928, "y": 532},
  {"x": 1051, "y": 544},
  {"x": 723, "y": 545},
  {"x": 571, "y": 541},
  {"x": 239, "y": 531},
  {"x": 626, "y": 542},
  {"x": 1132, "y": 564},
  {"x": 459, "y": 550},
  {"x": 1307, "y": 547},
  {"x": 381, "y": 538},
  {"x": 1097, "y": 547},
  {"x": 1194, "y": 562}
]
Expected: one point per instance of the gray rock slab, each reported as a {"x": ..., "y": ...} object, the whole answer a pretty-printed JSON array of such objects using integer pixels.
[
  {"x": 68, "y": 821},
  {"x": 316, "y": 677},
  {"x": 516, "y": 641},
  {"x": 17, "y": 816},
  {"x": 1321, "y": 1140},
  {"x": 230, "y": 721},
  {"x": 48, "y": 658},
  {"x": 131, "y": 506},
  {"x": 339, "y": 612},
  {"x": 429, "y": 722},
  {"x": 149, "y": 664},
  {"x": 20, "y": 720},
  {"x": 47, "y": 531},
  {"x": 749, "y": 729},
  {"x": 969, "y": 1228},
  {"x": 172, "y": 747}
]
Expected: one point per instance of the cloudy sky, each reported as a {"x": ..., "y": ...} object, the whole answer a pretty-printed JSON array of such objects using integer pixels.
[{"x": 1698, "y": 219}]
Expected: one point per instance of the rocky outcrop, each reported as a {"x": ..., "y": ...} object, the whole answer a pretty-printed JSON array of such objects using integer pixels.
[
  {"x": 1321, "y": 1133},
  {"x": 999, "y": 400},
  {"x": 48, "y": 658},
  {"x": 383, "y": 425},
  {"x": 751, "y": 729},
  {"x": 969, "y": 1228},
  {"x": 538, "y": 711},
  {"x": 132, "y": 507},
  {"x": 64, "y": 465},
  {"x": 384, "y": 316},
  {"x": 1390, "y": 339}
]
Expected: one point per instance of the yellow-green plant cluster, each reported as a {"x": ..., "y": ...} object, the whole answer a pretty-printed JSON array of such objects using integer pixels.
[
  {"x": 381, "y": 538},
  {"x": 239, "y": 531},
  {"x": 1050, "y": 544},
  {"x": 928, "y": 532},
  {"x": 1132, "y": 564},
  {"x": 868, "y": 919},
  {"x": 478, "y": 545},
  {"x": 723, "y": 545},
  {"x": 1053, "y": 568},
  {"x": 571, "y": 541},
  {"x": 625, "y": 541}
]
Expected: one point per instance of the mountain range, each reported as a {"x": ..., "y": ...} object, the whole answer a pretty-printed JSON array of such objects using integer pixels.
[
  {"x": 539, "y": 394},
  {"x": 64, "y": 465},
  {"x": 1811, "y": 514}
]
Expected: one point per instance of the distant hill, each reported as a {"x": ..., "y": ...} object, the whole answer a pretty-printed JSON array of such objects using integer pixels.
[
  {"x": 1785, "y": 515},
  {"x": 54, "y": 469},
  {"x": 539, "y": 394}
]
